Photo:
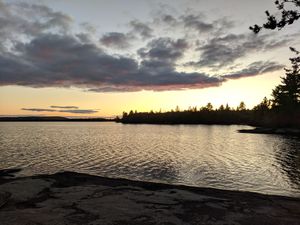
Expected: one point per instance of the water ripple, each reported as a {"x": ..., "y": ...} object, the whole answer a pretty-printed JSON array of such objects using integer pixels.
[{"x": 207, "y": 156}]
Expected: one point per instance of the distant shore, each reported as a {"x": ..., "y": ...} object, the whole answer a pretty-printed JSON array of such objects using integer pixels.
[
  {"x": 52, "y": 119},
  {"x": 73, "y": 198}
]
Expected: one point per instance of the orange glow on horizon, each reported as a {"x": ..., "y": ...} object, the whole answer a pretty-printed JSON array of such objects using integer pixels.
[{"x": 251, "y": 90}]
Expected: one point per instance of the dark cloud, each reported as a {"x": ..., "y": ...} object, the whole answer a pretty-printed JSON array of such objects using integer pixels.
[
  {"x": 84, "y": 37},
  {"x": 158, "y": 66},
  {"x": 39, "y": 110},
  {"x": 255, "y": 69},
  {"x": 66, "y": 110},
  {"x": 64, "y": 61},
  {"x": 197, "y": 23},
  {"x": 169, "y": 19},
  {"x": 55, "y": 60},
  {"x": 115, "y": 89},
  {"x": 164, "y": 49},
  {"x": 222, "y": 48},
  {"x": 115, "y": 40},
  {"x": 48, "y": 18},
  {"x": 29, "y": 20},
  {"x": 63, "y": 107},
  {"x": 79, "y": 111},
  {"x": 144, "y": 30},
  {"x": 225, "y": 50}
]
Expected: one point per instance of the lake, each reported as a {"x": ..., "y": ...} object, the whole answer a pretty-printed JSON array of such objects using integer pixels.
[{"x": 197, "y": 155}]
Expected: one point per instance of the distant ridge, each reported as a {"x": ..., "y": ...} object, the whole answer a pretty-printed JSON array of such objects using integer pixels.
[{"x": 52, "y": 119}]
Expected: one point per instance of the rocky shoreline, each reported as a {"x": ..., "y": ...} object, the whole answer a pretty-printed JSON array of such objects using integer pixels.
[{"x": 71, "y": 198}]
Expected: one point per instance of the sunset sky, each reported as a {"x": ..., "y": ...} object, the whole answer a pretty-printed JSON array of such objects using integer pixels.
[{"x": 100, "y": 58}]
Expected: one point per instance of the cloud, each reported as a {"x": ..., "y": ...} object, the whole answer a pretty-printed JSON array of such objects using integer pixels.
[
  {"x": 197, "y": 23},
  {"x": 225, "y": 50},
  {"x": 142, "y": 29},
  {"x": 169, "y": 19},
  {"x": 189, "y": 23},
  {"x": 63, "y": 107},
  {"x": 115, "y": 40},
  {"x": 64, "y": 61},
  {"x": 50, "y": 55},
  {"x": 218, "y": 46},
  {"x": 88, "y": 27},
  {"x": 80, "y": 111},
  {"x": 164, "y": 49},
  {"x": 39, "y": 110},
  {"x": 254, "y": 69},
  {"x": 29, "y": 20}
]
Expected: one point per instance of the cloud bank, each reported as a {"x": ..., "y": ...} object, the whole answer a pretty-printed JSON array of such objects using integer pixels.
[{"x": 47, "y": 53}]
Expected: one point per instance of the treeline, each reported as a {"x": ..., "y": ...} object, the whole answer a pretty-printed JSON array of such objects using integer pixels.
[
  {"x": 261, "y": 115},
  {"x": 204, "y": 115}
]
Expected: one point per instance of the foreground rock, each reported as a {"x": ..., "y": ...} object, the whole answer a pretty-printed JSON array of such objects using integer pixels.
[{"x": 72, "y": 198}]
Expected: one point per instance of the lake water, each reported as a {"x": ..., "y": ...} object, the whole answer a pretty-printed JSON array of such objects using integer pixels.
[{"x": 197, "y": 155}]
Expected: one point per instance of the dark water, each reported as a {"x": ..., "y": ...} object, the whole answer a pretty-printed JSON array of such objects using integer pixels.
[{"x": 198, "y": 155}]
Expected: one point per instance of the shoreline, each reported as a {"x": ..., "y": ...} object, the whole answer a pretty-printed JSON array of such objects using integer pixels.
[
  {"x": 267, "y": 130},
  {"x": 75, "y": 198}
]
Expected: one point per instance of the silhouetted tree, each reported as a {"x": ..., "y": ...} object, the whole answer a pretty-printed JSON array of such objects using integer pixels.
[
  {"x": 264, "y": 106},
  {"x": 241, "y": 107},
  {"x": 288, "y": 16},
  {"x": 125, "y": 114},
  {"x": 221, "y": 108},
  {"x": 287, "y": 94},
  {"x": 208, "y": 107},
  {"x": 227, "y": 108}
]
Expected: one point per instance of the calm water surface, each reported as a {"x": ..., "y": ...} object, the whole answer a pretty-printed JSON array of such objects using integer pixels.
[{"x": 198, "y": 155}]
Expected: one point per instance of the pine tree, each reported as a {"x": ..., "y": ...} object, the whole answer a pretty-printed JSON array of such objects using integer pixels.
[
  {"x": 287, "y": 94},
  {"x": 264, "y": 106},
  {"x": 241, "y": 107}
]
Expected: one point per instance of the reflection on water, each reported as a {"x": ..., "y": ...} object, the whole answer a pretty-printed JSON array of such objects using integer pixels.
[
  {"x": 288, "y": 157},
  {"x": 199, "y": 155}
]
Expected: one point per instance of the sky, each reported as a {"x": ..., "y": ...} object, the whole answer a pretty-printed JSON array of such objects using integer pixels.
[{"x": 100, "y": 58}]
